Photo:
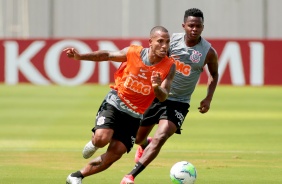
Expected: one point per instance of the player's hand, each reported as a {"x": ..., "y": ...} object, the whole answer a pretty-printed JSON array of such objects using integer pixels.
[
  {"x": 156, "y": 79},
  {"x": 204, "y": 106},
  {"x": 72, "y": 53}
]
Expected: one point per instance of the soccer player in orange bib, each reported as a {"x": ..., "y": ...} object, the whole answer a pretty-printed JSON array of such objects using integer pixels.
[{"x": 145, "y": 74}]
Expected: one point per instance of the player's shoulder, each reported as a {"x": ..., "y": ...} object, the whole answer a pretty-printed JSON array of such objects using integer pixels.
[
  {"x": 208, "y": 46},
  {"x": 212, "y": 49},
  {"x": 175, "y": 36},
  {"x": 212, "y": 53},
  {"x": 206, "y": 42},
  {"x": 134, "y": 49}
]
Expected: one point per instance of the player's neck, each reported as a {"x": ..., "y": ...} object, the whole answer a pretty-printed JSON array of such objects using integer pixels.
[
  {"x": 191, "y": 43},
  {"x": 153, "y": 58}
]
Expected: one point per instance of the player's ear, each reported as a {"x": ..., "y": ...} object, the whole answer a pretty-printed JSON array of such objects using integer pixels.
[{"x": 150, "y": 42}]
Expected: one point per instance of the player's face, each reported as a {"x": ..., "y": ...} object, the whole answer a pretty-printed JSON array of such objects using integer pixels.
[
  {"x": 193, "y": 27},
  {"x": 159, "y": 43}
]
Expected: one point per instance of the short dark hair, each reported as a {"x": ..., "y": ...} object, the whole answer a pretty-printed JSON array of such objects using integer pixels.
[
  {"x": 194, "y": 12},
  {"x": 158, "y": 28}
]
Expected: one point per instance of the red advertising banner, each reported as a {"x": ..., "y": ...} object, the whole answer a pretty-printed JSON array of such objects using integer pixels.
[{"x": 42, "y": 61}]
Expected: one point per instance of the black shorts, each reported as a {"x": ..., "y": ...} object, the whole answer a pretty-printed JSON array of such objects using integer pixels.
[
  {"x": 125, "y": 126},
  {"x": 170, "y": 110}
]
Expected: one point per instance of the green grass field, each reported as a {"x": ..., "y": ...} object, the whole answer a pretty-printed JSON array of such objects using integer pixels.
[{"x": 44, "y": 128}]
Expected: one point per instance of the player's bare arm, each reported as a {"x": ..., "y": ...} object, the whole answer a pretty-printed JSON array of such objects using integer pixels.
[
  {"x": 101, "y": 55},
  {"x": 162, "y": 88},
  {"x": 212, "y": 63}
]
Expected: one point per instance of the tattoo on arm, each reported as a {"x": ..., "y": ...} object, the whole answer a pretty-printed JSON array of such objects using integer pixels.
[{"x": 96, "y": 56}]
